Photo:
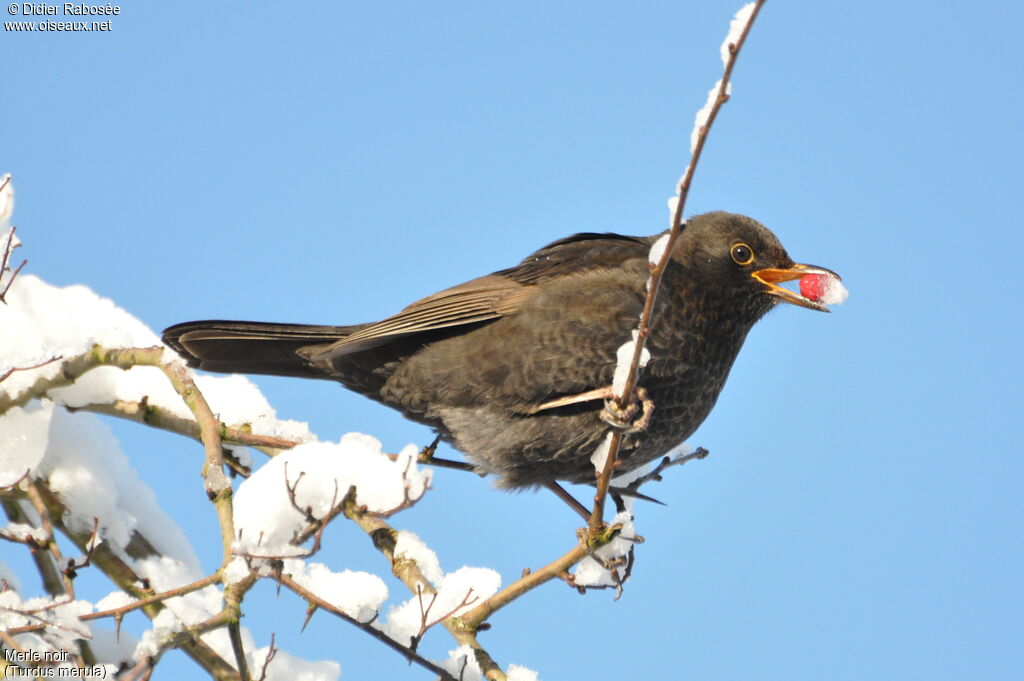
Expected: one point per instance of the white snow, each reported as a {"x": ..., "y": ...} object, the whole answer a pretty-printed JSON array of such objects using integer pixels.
[
  {"x": 625, "y": 355},
  {"x": 658, "y": 249},
  {"x": 81, "y": 460},
  {"x": 358, "y": 594},
  {"x": 461, "y": 664},
  {"x": 23, "y": 531},
  {"x": 24, "y": 432},
  {"x": 165, "y": 573},
  {"x": 835, "y": 293},
  {"x": 673, "y": 201},
  {"x": 287, "y": 667},
  {"x": 61, "y": 613},
  {"x": 111, "y": 646},
  {"x": 517, "y": 672},
  {"x": 701, "y": 119},
  {"x": 87, "y": 469},
  {"x": 163, "y": 625},
  {"x": 235, "y": 571},
  {"x": 409, "y": 546},
  {"x": 82, "y": 463},
  {"x": 321, "y": 473},
  {"x": 590, "y": 572},
  {"x": 736, "y": 26},
  {"x": 42, "y": 321},
  {"x": 600, "y": 455},
  {"x": 457, "y": 593},
  {"x": 464, "y": 589},
  {"x": 284, "y": 666},
  {"x": 115, "y": 599}
]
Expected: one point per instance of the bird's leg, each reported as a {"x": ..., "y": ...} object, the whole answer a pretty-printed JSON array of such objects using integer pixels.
[
  {"x": 426, "y": 457},
  {"x": 617, "y": 417},
  {"x": 569, "y": 499}
]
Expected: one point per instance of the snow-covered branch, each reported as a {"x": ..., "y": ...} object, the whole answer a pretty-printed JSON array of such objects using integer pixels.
[
  {"x": 661, "y": 252},
  {"x": 65, "y": 485}
]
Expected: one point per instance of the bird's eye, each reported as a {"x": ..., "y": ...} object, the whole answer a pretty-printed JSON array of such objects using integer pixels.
[{"x": 742, "y": 254}]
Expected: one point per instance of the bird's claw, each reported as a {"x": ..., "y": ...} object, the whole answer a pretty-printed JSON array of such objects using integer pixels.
[{"x": 623, "y": 418}]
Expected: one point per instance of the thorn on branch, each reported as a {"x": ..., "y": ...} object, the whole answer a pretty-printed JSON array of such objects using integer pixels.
[{"x": 310, "y": 609}]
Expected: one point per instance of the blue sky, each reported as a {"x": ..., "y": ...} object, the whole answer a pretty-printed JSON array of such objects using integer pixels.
[{"x": 860, "y": 513}]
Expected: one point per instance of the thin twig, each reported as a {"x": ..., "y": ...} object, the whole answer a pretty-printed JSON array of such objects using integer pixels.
[
  {"x": 163, "y": 418},
  {"x": 271, "y": 654},
  {"x": 134, "y": 605},
  {"x": 63, "y": 583},
  {"x": 8, "y": 249},
  {"x": 320, "y": 603},
  {"x": 666, "y": 462},
  {"x": 658, "y": 270},
  {"x": 527, "y": 582},
  {"x": 5, "y": 375}
]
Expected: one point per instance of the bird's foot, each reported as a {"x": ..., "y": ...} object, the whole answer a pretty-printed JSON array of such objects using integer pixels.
[{"x": 623, "y": 418}]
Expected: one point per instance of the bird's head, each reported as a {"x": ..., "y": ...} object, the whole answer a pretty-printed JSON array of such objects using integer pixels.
[{"x": 743, "y": 260}]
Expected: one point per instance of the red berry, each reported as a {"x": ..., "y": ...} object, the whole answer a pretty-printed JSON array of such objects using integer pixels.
[{"x": 813, "y": 286}]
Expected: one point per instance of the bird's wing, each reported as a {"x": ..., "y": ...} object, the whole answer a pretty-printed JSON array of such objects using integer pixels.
[
  {"x": 475, "y": 301},
  {"x": 578, "y": 254},
  {"x": 495, "y": 295}
]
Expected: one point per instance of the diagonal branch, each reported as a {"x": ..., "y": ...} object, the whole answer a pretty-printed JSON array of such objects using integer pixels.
[
  {"x": 658, "y": 270},
  {"x": 408, "y": 653},
  {"x": 384, "y": 538}
]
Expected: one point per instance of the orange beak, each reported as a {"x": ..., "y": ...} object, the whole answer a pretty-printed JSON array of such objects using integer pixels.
[{"x": 771, "y": 276}]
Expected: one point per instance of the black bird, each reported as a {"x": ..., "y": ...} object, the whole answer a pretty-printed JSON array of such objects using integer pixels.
[{"x": 482, "y": 362}]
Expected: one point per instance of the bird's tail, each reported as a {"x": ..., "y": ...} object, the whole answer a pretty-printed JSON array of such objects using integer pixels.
[{"x": 252, "y": 347}]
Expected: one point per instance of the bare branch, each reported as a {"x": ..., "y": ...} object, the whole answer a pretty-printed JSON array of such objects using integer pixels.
[
  {"x": 134, "y": 605},
  {"x": 667, "y": 462},
  {"x": 529, "y": 581},
  {"x": 320, "y": 603},
  {"x": 271, "y": 654},
  {"x": 235, "y": 635},
  {"x": 5, "y": 375}
]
